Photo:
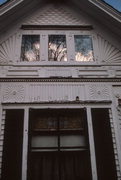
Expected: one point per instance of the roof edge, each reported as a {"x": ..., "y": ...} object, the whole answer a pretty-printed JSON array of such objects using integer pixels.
[
  {"x": 107, "y": 9},
  {"x": 9, "y": 5}
]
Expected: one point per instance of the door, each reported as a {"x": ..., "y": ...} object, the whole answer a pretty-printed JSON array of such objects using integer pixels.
[{"x": 58, "y": 145}]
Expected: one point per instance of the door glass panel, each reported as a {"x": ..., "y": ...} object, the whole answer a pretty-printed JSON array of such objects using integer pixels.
[
  {"x": 72, "y": 141},
  {"x": 44, "y": 141}
]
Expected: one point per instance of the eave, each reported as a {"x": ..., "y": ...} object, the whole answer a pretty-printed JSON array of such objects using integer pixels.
[
  {"x": 107, "y": 9},
  {"x": 9, "y": 5}
]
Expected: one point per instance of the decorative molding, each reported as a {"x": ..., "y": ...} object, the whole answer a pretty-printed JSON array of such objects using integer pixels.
[
  {"x": 8, "y": 49},
  {"x": 54, "y": 92},
  {"x": 117, "y": 92},
  {"x": 117, "y": 80},
  {"x": 81, "y": 103},
  {"x": 57, "y": 27},
  {"x": 107, "y": 52},
  {"x": 59, "y": 72},
  {"x": 99, "y": 91},
  {"x": 13, "y": 93}
]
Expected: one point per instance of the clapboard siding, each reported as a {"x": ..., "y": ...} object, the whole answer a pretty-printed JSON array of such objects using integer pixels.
[
  {"x": 115, "y": 146},
  {"x": 2, "y": 138}
]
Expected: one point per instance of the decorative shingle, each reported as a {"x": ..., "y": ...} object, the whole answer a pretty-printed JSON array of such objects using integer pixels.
[{"x": 54, "y": 15}]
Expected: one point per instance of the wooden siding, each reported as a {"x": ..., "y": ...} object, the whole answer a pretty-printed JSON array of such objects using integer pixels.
[
  {"x": 2, "y": 138},
  {"x": 115, "y": 146}
]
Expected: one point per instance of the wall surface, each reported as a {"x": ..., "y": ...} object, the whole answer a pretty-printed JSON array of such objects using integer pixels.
[{"x": 96, "y": 83}]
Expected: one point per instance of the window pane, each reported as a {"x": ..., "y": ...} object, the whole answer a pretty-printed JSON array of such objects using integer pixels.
[
  {"x": 71, "y": 122},
  {"x": 83, "y": 48},
  {"x": 57, "y": 48},
  {"x": 30, "y": 50},
  {"x": 72, "y": 140},
  {"x": 44, "y": 123},
  {"x": 44, "y": 141}
]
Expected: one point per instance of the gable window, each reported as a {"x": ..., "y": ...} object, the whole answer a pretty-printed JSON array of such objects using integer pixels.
[
  {"x": 57, "y": 46},
  {"x": 30, "y": 50},
  {"x": 83, "y": 48},
  {"x": 57, "y": 49}
]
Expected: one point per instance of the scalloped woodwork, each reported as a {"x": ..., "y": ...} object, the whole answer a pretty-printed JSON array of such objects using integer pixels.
[
  {"x": 14, "y": 93},
  {"x": 56, "y": 15},
  {"x": 99, "y": 91},
  {"x": 8, "y": 49},
  {"x": 107, "y": 52}
]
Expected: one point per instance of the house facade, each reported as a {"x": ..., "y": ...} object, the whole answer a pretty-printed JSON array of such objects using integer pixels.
[{"x": 60, "y": 90}]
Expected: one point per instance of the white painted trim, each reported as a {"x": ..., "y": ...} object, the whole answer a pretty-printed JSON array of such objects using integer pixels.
[
  {"x": 115, "y": 120},
  {"x": 25, "y": 144},
  {"x": 55, "y": 106},
  {"x": 91, "y": 144},
  {"x": 0, "y": 117}
]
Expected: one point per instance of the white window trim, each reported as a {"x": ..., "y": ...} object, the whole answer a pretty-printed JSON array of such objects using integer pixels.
[{"x": 44, "y": 47}]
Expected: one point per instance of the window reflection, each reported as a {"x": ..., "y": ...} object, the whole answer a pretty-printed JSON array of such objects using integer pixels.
[
  {"x": 57, "y": 48},
  {"x": 83, "y": 48},
  {"x": 30, "y": 50}
]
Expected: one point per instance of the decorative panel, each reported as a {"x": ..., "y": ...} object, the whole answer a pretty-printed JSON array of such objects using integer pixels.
[
  {"x": 13, "y": 93},
  {"x": 8, "y": 49},
  {"x": 60, "y": 72},
  {"x": 99, "y": 92},
  {"x": 117, "y": 92},
  {"x": 107, "y": 52},
  {"x": 56, "y": 15},
  {"x": 56, "y": 92}
]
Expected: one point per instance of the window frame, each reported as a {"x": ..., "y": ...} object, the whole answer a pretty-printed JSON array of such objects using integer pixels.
[
  {"x": 59, "y": 132},
  {"x": 44, "y": 37}
]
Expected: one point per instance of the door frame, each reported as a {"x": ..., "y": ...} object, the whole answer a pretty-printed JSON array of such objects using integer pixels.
[{"x": 88, "y": 107}]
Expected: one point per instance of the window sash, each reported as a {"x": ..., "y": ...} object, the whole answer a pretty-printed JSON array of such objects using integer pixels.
[{"x": 70, "y": 55}]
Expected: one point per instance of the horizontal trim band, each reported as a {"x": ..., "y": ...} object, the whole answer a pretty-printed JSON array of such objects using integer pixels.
[
  {"x": 60, "y": 80},
  {"x": 56, "y": 27}
]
